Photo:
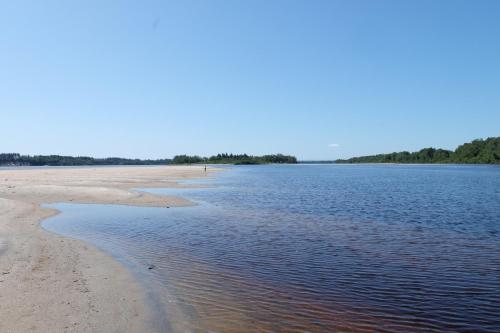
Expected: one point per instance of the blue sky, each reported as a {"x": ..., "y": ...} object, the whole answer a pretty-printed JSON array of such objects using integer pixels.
[{"x": 317, "y": 79}]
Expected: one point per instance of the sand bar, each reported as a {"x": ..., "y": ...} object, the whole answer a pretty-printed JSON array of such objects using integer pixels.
[{"x": 50, "y": 283}]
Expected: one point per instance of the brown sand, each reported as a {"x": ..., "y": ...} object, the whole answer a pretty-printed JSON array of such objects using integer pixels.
[{"x": 50, "y": 283}]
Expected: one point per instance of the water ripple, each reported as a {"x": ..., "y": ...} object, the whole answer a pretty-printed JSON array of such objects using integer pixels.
[{"x": 317, "y": 249}]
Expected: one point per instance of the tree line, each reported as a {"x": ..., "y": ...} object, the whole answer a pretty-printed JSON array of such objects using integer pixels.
[
  {"x": 238, "y": 159},
  {"x": 475, "y": 152},
  {"x": 15, "y": 159}
]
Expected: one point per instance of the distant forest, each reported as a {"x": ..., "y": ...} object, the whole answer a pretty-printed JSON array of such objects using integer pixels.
[
  {"x": 475, "y": 152},
  {"x": 235, "y": 159},
  {"x": 14, "y": 159}
]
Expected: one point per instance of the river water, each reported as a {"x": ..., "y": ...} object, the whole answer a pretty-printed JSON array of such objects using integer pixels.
[{"x": 314, "y": 248}]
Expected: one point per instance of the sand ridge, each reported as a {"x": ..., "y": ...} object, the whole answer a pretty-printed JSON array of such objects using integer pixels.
[{"x": 50, "y": 283}]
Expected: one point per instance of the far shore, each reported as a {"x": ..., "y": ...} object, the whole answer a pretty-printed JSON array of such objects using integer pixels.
[{"x": 50, "y": 283}]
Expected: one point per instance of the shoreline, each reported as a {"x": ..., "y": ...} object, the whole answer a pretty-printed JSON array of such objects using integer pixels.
[{"x": 50, "y": 282}]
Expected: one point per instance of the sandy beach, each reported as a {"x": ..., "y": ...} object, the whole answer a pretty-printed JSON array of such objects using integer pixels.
[{"x": 49, "y": 283}]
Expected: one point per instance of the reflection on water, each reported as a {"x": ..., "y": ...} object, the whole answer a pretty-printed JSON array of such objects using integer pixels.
[{"x": 316, "y": 249}]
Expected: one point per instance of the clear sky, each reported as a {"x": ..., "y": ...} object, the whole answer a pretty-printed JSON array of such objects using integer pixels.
[{"x": 317, "y": 79}]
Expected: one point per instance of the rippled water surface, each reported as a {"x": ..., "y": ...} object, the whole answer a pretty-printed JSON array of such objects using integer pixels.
[{"x": 315, "y": 248}]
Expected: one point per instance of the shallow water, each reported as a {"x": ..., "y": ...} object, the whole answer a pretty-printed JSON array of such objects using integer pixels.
[{"x": 315, "y": 248}]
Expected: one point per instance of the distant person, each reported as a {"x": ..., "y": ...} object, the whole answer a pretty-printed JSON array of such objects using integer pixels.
[{"x": 205, "y": 168}]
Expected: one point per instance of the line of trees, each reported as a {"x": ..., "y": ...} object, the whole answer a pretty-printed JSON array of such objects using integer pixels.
[
  {"x": 238, "y": 159},
  {"x": 14, "y": 159},
  {"x": 475, "y": 152},
  {"x": 186, "y": 159},
  {"x": 57, "y": 160}
]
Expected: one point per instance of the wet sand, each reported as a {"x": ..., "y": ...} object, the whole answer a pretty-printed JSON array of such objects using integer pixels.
[{"x": 49, "y": 283}]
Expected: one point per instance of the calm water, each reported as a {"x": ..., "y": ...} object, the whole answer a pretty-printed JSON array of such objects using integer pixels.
[{"x": 315, "y": 248}]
